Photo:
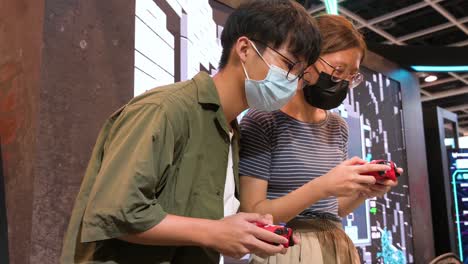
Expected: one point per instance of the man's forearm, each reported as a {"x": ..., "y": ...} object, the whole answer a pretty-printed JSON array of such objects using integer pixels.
[{"x": 174, "y": 230}]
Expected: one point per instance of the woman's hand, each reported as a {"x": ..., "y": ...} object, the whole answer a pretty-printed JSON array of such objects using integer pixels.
[
  {"x": 348, "y": 178},
  {"x": 381, "y": 188}
]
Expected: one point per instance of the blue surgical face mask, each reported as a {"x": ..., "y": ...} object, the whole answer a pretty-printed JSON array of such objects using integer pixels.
[{"x": 273, "y": 92}]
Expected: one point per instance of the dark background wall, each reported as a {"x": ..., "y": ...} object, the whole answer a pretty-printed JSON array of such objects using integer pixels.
[{"x": 64, "y": 67}]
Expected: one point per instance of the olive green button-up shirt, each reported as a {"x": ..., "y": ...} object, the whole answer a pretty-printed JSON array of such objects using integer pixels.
[{"x": 165, "y": 152}]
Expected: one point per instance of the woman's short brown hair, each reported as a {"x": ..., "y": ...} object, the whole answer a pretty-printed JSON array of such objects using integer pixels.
[{"x": 338, "y": 33}]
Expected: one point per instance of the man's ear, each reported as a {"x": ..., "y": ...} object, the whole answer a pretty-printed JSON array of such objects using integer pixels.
[{"x": 242, "y": 48}]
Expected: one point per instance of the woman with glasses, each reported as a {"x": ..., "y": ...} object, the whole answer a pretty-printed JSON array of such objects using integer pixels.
[{"x": 294, "y": 161}]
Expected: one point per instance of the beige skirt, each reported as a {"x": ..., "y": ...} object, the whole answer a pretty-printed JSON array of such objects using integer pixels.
[{"x": 322, "y": 242}]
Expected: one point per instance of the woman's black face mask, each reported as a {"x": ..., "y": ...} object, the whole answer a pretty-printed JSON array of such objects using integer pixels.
[{"x": 325, "y": 93}]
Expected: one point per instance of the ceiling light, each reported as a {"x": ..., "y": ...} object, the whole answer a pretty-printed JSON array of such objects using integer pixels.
[
  {"x": 331, "y": 6},
  {"x": 430, "y": 78}
]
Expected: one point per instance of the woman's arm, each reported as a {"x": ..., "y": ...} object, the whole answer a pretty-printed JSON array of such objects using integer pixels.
[
  {"x": 347, "y": 204},
  {"x": 343, "y": 180},
  {"x": 253, "y": 198}
]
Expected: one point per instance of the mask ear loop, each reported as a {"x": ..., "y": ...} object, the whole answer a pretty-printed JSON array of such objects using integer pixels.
[
  {"x": 315, "y": 68},
  {"x": 245, "y": 71},
  {"x": 304, "y": 82},
  {"x": 260, "y": 55},
  {"x": 301, "y": 76},
  {"x": 331, "y": 74},
  {"x": 256, "y": 50}
]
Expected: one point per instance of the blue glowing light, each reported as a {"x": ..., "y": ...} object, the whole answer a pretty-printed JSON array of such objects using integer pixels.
[
  {"x": 440, "y": 68},
  {"x": 331, "y": 6},
  {"x": 390, "y": 254}
]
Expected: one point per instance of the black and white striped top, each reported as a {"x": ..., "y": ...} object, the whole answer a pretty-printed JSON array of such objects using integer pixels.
[{"x": 289, "y": 153}]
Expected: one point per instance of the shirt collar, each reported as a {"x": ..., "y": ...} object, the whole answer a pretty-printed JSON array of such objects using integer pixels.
[{"x": 208, "y": 96}]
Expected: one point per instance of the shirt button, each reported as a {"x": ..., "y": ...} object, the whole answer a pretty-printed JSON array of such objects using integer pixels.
[{"x": 218, "y": 193}]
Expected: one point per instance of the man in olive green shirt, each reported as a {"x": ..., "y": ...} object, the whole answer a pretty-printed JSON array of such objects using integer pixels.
[{"x": 153, "y": 190}]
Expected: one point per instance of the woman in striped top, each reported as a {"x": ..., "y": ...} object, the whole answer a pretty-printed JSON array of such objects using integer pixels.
[{"x": 294, "y": 162}]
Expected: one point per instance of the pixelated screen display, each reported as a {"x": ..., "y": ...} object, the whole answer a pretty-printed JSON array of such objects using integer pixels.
[
  {"x": 381, "y": 227},
  {"x": 175, "y": 39},
  {"x": 458, "y": 161}
]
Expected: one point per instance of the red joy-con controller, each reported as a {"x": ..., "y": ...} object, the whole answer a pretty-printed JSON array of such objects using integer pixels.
[
  {"x": 283, "y": 231},
  {"x": 391, "y": 174}
]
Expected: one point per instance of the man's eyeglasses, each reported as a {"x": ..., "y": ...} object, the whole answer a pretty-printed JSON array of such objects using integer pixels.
[
  {"x": 340, "y": 73},
  {"x": 295, "y": 69}
]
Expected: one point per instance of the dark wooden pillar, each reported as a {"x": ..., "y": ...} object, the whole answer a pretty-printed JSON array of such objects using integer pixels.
[
  {"x": 64, "y": 67},
  {"x": 21, "y": 24},
  {"x": 3, "y": 218}
]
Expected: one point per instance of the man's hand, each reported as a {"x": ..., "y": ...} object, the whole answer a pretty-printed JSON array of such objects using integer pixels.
[{"x": 238, "y": 235}]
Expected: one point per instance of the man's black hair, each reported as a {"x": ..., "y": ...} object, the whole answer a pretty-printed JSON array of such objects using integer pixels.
[{"x": 273, "y": 22}]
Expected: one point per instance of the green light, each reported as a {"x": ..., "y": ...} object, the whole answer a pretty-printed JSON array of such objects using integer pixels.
[
  {"x": 440, "y": 68},
  {"x": 456, "y": 211},
  {"x": 331, "y": 6},
  {"x": 373, "y": 210}
]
